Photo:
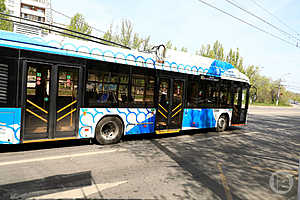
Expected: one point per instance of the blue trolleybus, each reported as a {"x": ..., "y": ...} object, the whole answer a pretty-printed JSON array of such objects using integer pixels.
[{"x": 57, "y": 88}]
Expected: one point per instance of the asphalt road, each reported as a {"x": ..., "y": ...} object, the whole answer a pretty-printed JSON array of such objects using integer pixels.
[{"x": 241, "y": 163}]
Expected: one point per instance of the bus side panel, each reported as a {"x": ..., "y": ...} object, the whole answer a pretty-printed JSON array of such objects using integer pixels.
[
  {"x": 136, "y": 120},
  {"x": 203, "y": 118},
  {"x": 10, "y": 124}
]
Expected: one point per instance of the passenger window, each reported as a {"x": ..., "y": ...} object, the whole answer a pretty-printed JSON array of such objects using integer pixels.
[
  {"x": 142, "y": 91},
  {"x": 194, "y": 95},
  {"x": 106, "y": 89},
  {"x": 138, "y": 89}
]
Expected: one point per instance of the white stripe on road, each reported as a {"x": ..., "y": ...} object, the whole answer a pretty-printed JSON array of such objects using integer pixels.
[
  {"x": 81, "y": 193},
  {"x": 59, "y": 157}
]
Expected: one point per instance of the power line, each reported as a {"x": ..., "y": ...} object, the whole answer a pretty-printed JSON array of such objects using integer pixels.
[
  {"x": 64, "y": 31},
  {"x": 277, "y": 18},
  {"x": 261, "y": 19},
  {"x": 249, "y": 24},
  {"x": 96, "y": 29}
]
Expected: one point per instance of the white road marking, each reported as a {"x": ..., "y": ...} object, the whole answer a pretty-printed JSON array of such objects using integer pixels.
[
  {"x": 80, "y": 192},
  {"x": 59, "y": 157}
]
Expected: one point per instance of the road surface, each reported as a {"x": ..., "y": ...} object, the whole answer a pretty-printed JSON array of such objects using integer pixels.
[{"x": 258, "y": 161}]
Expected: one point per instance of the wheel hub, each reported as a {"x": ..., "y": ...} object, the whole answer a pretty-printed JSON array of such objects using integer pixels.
[
  {"x": 108, "y": 131},
  {"x": 221, "y": 122}
]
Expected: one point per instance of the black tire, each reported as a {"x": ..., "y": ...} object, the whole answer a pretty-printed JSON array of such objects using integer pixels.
[
  {"x": 109, "y": 130},
  {"x": 222, "y": 123}
]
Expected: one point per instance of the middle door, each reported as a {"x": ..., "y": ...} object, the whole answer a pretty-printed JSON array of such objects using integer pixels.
[{"x": 170, "y": 104}]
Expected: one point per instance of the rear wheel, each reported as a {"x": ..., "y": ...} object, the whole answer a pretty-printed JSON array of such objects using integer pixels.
[
  {"x": 109, "y": 130},
  {"x": 222, "y": 123}
]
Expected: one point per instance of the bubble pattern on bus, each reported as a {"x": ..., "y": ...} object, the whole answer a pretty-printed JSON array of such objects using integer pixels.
[
  {"x": 76, "y": 48},
  {"x": 202, "y": 118},
  {"x": 136, "y": 120},
  {"x": 10, "y": 123}
]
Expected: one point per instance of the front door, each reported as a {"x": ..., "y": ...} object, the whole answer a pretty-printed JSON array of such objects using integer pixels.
[
  {"x": 51, "y": 101},
  {"x": 170, "y": 105}
]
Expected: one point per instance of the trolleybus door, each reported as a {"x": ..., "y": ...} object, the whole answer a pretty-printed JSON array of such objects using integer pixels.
[
  {"x": 240, "y": 104},
  {"x": 170, "y": 105},
  {"x": 162, "y": 116},
  {"x": 176, "y": 109},
  {"x": 51, "y": 101},
  {"x": 37, "y": 101},
  {"x": 67, "y": 101}
]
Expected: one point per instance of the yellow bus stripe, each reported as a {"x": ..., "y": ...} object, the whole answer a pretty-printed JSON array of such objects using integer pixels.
[
  {"x": 45, "y": 111},
  {"x": 162, "y": 108},
  {"x": 48, "y": 140},
  {"x": 168, "y": 131},
  {"x": 41, "y": 118},
  {"x": 176, "y": 107},
  {"x": 67, "y": 106},
  {"x": 66, "y": 115},
  {"x": 162, "y": 114},
  {"x": 176, "y": 112}
]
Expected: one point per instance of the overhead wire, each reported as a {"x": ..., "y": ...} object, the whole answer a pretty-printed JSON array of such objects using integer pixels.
[
  {"x": 261, "y": 19},
  {"x": 249, "y": 24},
  {"x": 274, "y": 16},
  {"x": 64, "y": 31},
  {"x": 60, "y": 13}
]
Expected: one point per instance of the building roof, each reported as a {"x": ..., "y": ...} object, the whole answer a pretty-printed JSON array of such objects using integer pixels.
[{"x": 172, "y": 61}]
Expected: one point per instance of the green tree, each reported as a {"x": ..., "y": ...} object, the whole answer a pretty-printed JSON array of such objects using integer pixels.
[
  {"x": 169, "y": 45},
  {"x": 4, "y": 25},
  {"x": 214, "y": 52},
  {"x": 218, "y": 51},
  {"x": 108, "y": 35},
  {"x": 137, "y": 41},
  {"x": 183, "y": 49},
  {"x": 2, "y": 6},
  {"x": 78, "y": 24},
  {"x": 146, "y": 44},
  {"x": 126, "y": 33},
  {"x": 127, "y": 37}
]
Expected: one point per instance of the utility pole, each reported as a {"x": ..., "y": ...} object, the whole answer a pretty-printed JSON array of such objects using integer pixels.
[{"x": 278, "y": 92}]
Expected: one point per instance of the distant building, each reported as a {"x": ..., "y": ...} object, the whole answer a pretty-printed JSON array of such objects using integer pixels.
[{"x": 36, "y": 10}]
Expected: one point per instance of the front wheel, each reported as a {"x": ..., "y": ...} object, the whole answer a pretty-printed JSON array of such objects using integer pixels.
[
  {"x": 222, "y": 123},
  {"x": 109, "y": 130}
]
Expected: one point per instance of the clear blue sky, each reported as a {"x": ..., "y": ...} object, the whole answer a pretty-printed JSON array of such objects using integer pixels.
[{"x": 190, "y": 23}]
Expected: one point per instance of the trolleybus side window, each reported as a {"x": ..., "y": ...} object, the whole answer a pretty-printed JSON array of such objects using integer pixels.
[
  {"x": 102, "y": 88},
  {"x": 194, "y": 94},
  {"x": 225, "y": 94},
  {"x": 142, "y": 87},
  {"x": 8, "y": 82}
]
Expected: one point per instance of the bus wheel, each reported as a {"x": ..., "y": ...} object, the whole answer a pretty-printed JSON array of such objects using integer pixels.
[
  {"x": 109, "y": 130},
  {"x": 222, "y": 123}
]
